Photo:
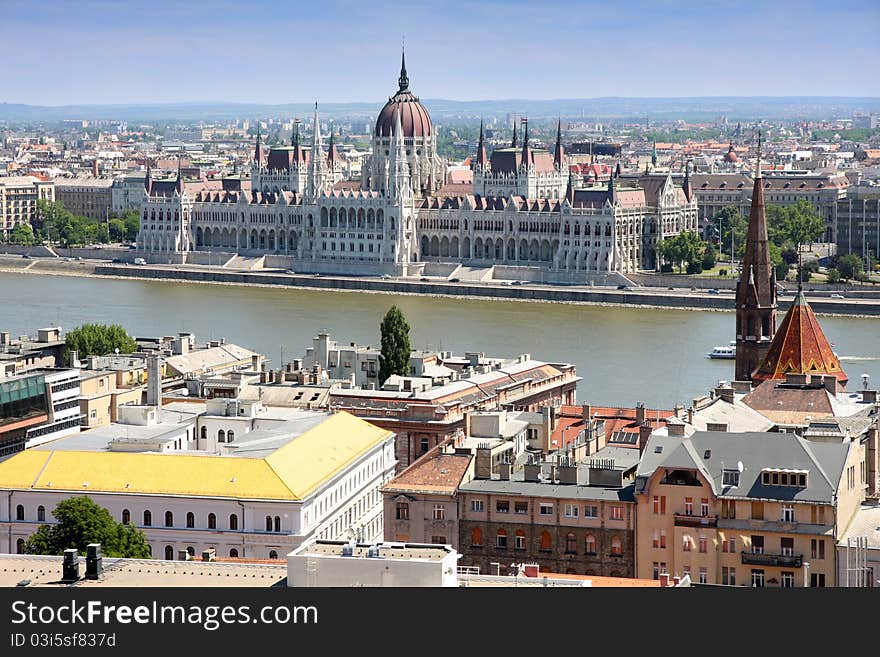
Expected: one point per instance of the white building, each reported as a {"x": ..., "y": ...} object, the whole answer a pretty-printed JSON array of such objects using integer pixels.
[{"x": 258, "y": 485}]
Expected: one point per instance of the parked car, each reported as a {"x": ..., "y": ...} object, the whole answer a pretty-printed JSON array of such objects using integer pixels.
[
  {"x": 26, "y": 256},
  {"x": 837, "y": 296},
  {"x": 454, "y": 280},
  {"x": 424, "y": 278},
  {"x": 387, "y": 276},
  {"x": 116, "y": 260},
  {"x": 713, "y": 291},
  {"x": 517, "y": 283},
  {"x": 140, "y": 261},
  {"x": 623, "y": 287}
]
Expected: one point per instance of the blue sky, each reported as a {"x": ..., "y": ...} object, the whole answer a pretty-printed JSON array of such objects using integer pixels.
[{"x": 100, "y": 51}]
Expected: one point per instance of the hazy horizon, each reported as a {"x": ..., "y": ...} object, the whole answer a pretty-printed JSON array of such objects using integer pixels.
[{"x": 100, "y": 52}]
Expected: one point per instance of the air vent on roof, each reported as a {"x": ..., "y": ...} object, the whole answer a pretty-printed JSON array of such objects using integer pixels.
[
  {"x": 658, "y": 449},
  {"x": 707, "y": 454}
]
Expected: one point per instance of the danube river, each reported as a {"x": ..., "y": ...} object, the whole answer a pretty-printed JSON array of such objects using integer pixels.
[{"x": 623, "y": 354}]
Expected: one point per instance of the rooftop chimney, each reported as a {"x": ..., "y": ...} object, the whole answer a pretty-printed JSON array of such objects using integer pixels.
[
  {"x": 830, "y": 382},
  {"x": 154, "y": 380},
  {"x": 70, "y": 567},
  {"x": 664, "y": 580},
  {"x": 675, "y": 428},
  {"x": 640, "y": 412},
  {"x": 532, "y": 471},
  {"x": 94, "y": 562}
]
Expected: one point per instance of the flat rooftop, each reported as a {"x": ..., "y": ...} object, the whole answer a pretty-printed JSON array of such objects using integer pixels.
[{"x": 399, "y": 551}]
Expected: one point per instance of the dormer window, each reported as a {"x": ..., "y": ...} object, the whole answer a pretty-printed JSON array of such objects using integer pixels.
[{"x": 783, "y": 477}]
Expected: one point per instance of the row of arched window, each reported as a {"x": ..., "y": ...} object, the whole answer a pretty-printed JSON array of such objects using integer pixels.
[
  {"x": 233, "y": 552},
  {"x": 190, "y": 519},
  {"x": 545, "y": 542},
  {"x": 41, "y": 513},
  {"x": 222, "y": 435}
]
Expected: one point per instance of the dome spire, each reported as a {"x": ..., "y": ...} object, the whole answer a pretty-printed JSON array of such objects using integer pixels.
[{"x": 403, "y": 80}]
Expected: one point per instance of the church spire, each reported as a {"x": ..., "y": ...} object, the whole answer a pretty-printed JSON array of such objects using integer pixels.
[
  {"x": 258, "y": 151},
  {"x": 294, "y": 134},
  {"x": 403, "y": 80},
  {"x": 481, "y": 159},
  {"x": 317, "y": 164},
  {"x": 526, "y": 151},
  {"x": 687, "y": 180},
  {"x": 559, "y": 153},
  {"x": 515, "y": 132}
]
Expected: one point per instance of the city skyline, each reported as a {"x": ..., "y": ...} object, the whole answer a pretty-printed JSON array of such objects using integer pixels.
[{"x": 164, "y": 53}]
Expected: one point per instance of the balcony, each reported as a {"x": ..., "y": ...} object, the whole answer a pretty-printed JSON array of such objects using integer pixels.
[
  {"x": 779, "y": 560},
  {"x": 682, "y": 520}
]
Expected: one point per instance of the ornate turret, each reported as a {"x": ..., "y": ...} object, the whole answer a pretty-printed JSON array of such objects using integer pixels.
[
  {"x": 559, "y": 153},
  {"x": 526, "y": 151},
  {"x": 398, "y": 169},
  {"x": 179, "y": 177},
  {"x": 482, "y": 160},
  {"x": 258, "y": 151},
  {"x": 317, "y": 176},
  {"x": 756, "y": 290},
  {"x": 148, "y": 181},
  {"x": 403, "y": 80},
  {"x": 687, "y": 181},
  {"x": 654, "y": 154},
  {"x": 513, "y": 143}
]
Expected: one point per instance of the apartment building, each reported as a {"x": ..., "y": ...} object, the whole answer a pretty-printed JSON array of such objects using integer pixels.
[{"x": 18, "y": 200}]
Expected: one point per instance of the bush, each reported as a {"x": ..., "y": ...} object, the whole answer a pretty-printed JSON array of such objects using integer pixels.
[
  {"x": 722, "y": 272},
  {"x": 709, "y": 259},
  {"x": 666, "y": 268},
  {"x": 694, "y": 267},
  {"x": 833, "y": 276}
]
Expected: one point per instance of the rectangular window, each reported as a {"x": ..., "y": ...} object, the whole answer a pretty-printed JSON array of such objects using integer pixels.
[
  {"x": 571, "y": 511},
  {"x": 703, "y": 542},
  {"x": 662, "y": 538},
  {"x": 686, "y": 543},
  {"x": 656, "y": 538},
  {"x": 655, "y": 570},
  {"x": 591, "y": 511},
  {"x": 519, "y": 542},
  {"x": 662, "y": 504},
  {"x": 787, "y": 580},
  {"x": 757, "y": 510},
  {"x": 477, "y": 506},
  {"x": 757, "y": 545},
  {"x": 758, "y": 578},
  {"x": 704, "y": 507},
  {"x": 817, "y": 580},
  {"x": 616, "y": 512},
  {"x": 704, "y": 575},
  {"x": 786, "y": 546},
  {"x": 728, "y": 509},
  {"x": 787, "y": 513},
  {"x": 817, "y": 548},
  {"x": 402, "y": 511},
  {"x": 728, "y": 576},
  {"x": 546, "y": 509},
  {"x": 521, "y": 507},
  {"x": 730, "y": 477},
  {"x": 439, "y": 540},
  {"x": 502, "y": 506},
  {"x": 501, "y": 541},
  {"x": 439, "y": 512},
  {"x": 689, "y": 506}
]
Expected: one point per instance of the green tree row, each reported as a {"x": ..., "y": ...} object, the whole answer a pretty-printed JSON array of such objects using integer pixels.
[
  {"x": 57, "y": 224},
  {"x": 98, "y": 340}
]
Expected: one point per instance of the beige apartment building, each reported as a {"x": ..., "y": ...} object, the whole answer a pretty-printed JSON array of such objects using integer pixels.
[
  {"x": 85, "y": 197},
  {"x": 748, "y": 509},
  {"x": 102, "y": 392},
  {"x": 18, "y": 200}
]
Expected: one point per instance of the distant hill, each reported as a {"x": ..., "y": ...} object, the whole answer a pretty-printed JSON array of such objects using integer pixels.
[{"x": 589, "y": 109}]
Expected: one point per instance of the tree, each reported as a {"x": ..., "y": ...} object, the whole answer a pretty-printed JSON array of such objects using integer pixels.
[
  {"x": 99, "y": 340},
  {"x": 726, "y": 219},
  {"x": 22, "y": 234},
  {"x": 802, "y": 224},
  {"x": 777, "y": 260},
  {"x": 849, "y": 265},
  {"x": 132, "y": 220},
  {"x": 833, "y": 276},
  {"x": 117, "y": 230},
  {"x": 80, "y": 522},
  {"x": 684, "y": 248},
  {"x": 709, "y": 259},
  {"x": 395, "y": 345}
]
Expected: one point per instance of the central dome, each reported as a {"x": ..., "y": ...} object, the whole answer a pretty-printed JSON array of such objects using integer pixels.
[{"x": 414, "y": 118}]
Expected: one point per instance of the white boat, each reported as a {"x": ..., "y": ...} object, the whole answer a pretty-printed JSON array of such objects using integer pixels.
[{"x": 725, "y": 352}]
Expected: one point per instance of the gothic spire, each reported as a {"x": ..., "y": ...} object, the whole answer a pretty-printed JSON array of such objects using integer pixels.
[
  {"x": 179, "y": 176},
  {"x": 403, "y": 80},
  {"x": 481, "y": 159},
  {"x": 559, "y": 153},
  {"x": 515, "y": 132},
  {"x": 258, "y": 151},
  {"x": 526, "y": 151},
  {"x": 687, "y": 180}
]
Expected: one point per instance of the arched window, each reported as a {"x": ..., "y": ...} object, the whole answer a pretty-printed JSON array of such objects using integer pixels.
[
  {"x": 477, "y": 537},
  {"x": 616, "y": 548},
  {"x": 41, "y": 513},
  {"x": 268, "y": 523},
  {"x": 204, "y": 433},
  {"x": 169, "y": 519},
  {"x": 233, "y": 521},
  {"x": 190, "y": 520},
  {"x": 230, "y": 436},
  {"x": 570, "y": 543},
  {"x": 233, "y": 553},
  {"x": 546, "y": 541},
  {"x": 169, "y": 553},
  {"x": 212, "y": 521},
  {"x": 148, "y": 519},
  {"x": 277, "y": 523},
  {"x": 221, "y": 436},
  {"x": 590, "y": 544},
  {"x": 126, "y": 516},
  {"x": 191, "y": 551},
  {"x": 19, "y": 546},
  {"x": 273, "y": 554},
  {"x": 19, "y": 512}
]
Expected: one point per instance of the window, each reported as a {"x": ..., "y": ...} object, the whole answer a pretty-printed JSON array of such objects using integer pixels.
[
  {"x": 169, "y": 553},
  {"x": 126, "y": 516},
  {"x": 703, "y": 543},
  {"x": 277, "y": 523},
  {"x": 730, "y": 477},
  {"x": 757, "y": 510},
  {"x": 686, "y": 543},
  {"x": 728, "y": 509},
  {"x": 590, "y": 544},
  {"x": 439, "y": 540},
  {"x": 439, "y": 512},
  {"x": 477, "y": 537},
  {"x": 787, "y": 513},
  {"x": 817, "y": 580},
  {"x": 570, "y": 543},
  {"x": 233, "y": 521},
  {"x": 817, "y": 548},
  {"x": 546, "y": 509},
  {"x": 169, "y": 519},
  {"x": 757, "y": 545},
  {"x": 273, "y": 554},
  {"x": 519, "y": 540},
  {"x": 477, "y": 506},
  {"x": 689, "y": 506},
  {"x": 817, "y": 514},
  {"x": 571, "y": 511},
  {"x": 502, "y": 506},
  {"x": 19, "y": 512},
  {"x": 659, "y": 504},
  {"x": 268, "y": 523},
  {"x": 221, "y": 436},
  {"x": 591, "y": 511},
  {"x": 787, "y": 580},
  {"x": 758, "y": 578},
  {"x": 616, "y": 547},
  {"x": 655, "y": 570},
  {"x": 423, "y": 445},
  {"x": 204, "y": 433},
  {"x": 685, "y": 571},
  {"x": 728, "y": 545},
  {"x": 230, "y": 436},
  {"x": 233, "y": 553},
  {"x": 704, "y": 507},
  {"x": 212, "y": 521},
  {"x": 402, "y": 511},
  {"x": 501, "y": 539},
  {"x": 148, "y": 519},
  {"x": 41, "y": 514},
  {"x": 521, "y": 507},
  {"x": 704, "y": 575},
  {"x": 546, "y": 541},
  {"x": 190, "y": 520},
  {"x": 656, "y": 539},
  {"x": 19, "y": 546},
  {"x": 728, "y": 576},
  {"x": 616, "y": 512}
]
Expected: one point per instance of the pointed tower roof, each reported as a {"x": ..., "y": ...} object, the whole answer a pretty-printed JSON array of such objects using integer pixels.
[
  {"x": 258, "y": 150},
  {"x": 403, "y": 80},
  {"x": 513, "y": 143},
  {"x": 332, "y": 153},
  {"x": 179, "y": 176},
  {"x": 559, "y": 153},
  {"x": 481, "y": 160},
  {"x": 526, "y": 150},
  {"x": 148, "y": 181},
  {"x": 686, "y": 187},
  {"x": 757, "y": 251},
  {"x": 800, "y": 347},
  {"x": 654, "y": 154}
]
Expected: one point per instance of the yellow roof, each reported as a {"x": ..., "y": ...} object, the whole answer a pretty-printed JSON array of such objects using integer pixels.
[{"x": 291, "y": 472}]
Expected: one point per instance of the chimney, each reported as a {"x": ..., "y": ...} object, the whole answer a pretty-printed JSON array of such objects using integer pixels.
[
  {"x": 675, "y": 428},
  {"x": 94, "y": 562},
  {"x": 640, "y": 412},
  {"x": 530, "y": 569},
  {"x": 645, "y": 432},
  {"x": 830, "y": 382},
  {"x": 532, "y": 472},
  {"x": 725, "y": 393},
  {"x": 568, "y": 473},
  {"x": 70, "y": 567},
  {"x": 664, "y": 580},
  {"x": 587, "y": 413},
  {"x": 504, "y": 470},
  {"x": 691, "y": 415},
  {"x": 869, "y": 396},
  {"x": 154, "y": 380},
  {"x": 74, "y": 358},
  {"x": 4, "y": 337},
  {"x": 483, "y": 463},
  {"x": 742, "y": 387}
]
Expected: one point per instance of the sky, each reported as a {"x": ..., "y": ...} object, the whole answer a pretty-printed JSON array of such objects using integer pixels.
[{"x": 61, "y": 52}]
